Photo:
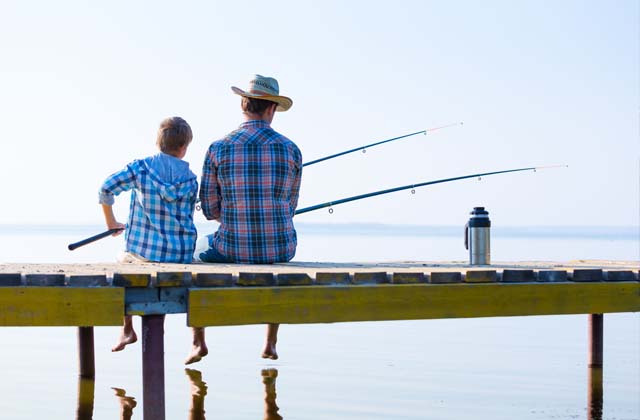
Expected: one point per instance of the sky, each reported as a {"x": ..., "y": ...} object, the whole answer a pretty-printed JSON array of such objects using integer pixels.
[{"x": 84, "y": 85}]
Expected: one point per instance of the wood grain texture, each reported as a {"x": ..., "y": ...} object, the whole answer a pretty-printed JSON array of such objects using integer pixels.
[{"x": 315, "y": 304}]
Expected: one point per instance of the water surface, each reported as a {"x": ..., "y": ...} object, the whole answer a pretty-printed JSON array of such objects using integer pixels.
[{"x": 485, "y": 368}]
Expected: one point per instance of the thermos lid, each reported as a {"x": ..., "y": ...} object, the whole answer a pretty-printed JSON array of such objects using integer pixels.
[
  {"x": 479, "y": 211},
  {"x": 479, "y": 218}
]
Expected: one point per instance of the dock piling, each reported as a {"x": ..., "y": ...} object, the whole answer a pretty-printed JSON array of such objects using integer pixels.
[
  {"x": 596, "y": 324},
  {"x": 86, "y": 353},
  {"x": 86, "y": 391},
  {"x": 153, "y": 367},
  {"x": 595, "y": 394}
]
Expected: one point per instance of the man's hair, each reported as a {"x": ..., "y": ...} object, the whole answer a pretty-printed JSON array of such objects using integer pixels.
[
  {"x": 255, "y": 106},
  {"x": 173, "y": 133}
]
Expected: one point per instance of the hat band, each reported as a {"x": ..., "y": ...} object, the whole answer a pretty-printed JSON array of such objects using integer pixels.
[
  {"x": 258, "y": 92},
  {"x": 258, "y": 87}
]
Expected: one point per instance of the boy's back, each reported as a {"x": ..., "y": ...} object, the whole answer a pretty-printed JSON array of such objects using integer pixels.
[{"x": 164, "y": 191}]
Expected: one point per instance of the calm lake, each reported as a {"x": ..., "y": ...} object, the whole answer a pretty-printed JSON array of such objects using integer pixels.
[{"x": 485, "y": 368}]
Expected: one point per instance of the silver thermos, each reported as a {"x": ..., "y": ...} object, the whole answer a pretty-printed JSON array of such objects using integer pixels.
[{"x": 477, "y": 237}]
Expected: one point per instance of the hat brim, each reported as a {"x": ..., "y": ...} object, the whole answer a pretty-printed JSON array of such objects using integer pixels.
[{"x": 283, "y": 102}]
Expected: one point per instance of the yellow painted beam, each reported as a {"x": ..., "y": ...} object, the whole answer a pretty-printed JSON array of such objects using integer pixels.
[
  {"x": 61, "y": 306},
  {"x": 320, "y": 304}
]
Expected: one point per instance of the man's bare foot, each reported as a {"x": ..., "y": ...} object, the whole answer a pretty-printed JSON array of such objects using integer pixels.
[
  {"x": 127, "y": 404},
  {"x": 198, "y": 386},
  {"x": 269, "y": 375},
  {"x": 125, "y": 340},
  {"x": 197, "y": 353},
  {"x": 269, "y": 352}
]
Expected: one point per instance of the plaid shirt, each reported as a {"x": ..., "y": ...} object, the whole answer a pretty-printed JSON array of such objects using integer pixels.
[
  {"x": 160, "y": 226},
  {"x": 250, "y": 184}
]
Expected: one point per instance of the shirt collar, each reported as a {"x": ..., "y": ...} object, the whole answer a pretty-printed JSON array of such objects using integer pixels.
[{"x": 255, "y": 124}]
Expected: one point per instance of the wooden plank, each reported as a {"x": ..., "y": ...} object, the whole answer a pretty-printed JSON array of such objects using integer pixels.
[
  {"x": 131, "y": 279},
  {"x": 173, "y": 279},
  {"x": 294, "y": 279},
  {"x": 481, "y": 276},
  {"x": 92, "y": 280},
  {"x": 10, "y": 279},
  {"x": 553, "y": 276},
  {"x": 213, "y": 280},
  {"x": 61, "y": 306},
  {"x": 44, "y": 279},
  {"x": 409, "y": 278},
  {"x": 315, "y": 304},
  {"x": 619, "y": 275},
  {"x": 587, "y": 275},
  {"x": 518, "y": 276},
  {"x": 443, "y": 277},
  {"x": 333, "y": 278},
  {"x": 365, "y": 277},
  {"x": 256, "y": 279}
]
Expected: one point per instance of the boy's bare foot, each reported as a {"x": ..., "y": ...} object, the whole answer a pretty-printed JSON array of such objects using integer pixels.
[
  {"x": 270, "y": 352},
  {"x": 125, "y": 340},
  {"x": 197, "y": 353}
]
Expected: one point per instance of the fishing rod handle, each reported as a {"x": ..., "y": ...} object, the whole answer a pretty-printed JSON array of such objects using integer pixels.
[{"x": 93, "y": 238}]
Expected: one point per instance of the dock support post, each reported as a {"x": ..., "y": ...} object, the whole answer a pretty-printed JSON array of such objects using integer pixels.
[
  {"x": 595, "y": 394},
  {"x": 596, "y": 324},
  {"x": 153, "y": 367},
  {"x": 86, "y": 391},
  {"x": 86, "y": 354}
]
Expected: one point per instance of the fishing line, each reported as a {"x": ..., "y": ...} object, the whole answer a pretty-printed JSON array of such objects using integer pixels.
[{"x": 414, "y": 186}]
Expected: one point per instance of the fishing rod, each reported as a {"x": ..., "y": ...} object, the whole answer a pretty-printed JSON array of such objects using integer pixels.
[
  {"x": 93, "y": 238},
  {"x": 364, "y": 148},
  {"x": 330, "y": 204}
]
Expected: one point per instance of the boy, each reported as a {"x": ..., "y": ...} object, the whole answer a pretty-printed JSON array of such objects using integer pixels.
[{"x": 163, "y": 198}]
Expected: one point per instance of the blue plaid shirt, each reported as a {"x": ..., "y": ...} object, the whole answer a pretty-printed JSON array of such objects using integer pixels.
[
  {"x": 250, "y": 184},
  {"x": 163, "y": 198}
]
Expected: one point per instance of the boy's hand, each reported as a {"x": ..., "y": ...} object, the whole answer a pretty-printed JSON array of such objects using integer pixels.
[
  {"x": 116, "y": 225},
  {"x": 110, "y": 219}
]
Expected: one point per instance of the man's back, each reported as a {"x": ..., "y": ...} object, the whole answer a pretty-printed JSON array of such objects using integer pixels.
[{"x": 250, "y": 182}]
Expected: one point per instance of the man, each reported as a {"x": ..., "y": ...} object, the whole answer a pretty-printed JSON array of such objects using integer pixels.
[{"x": 250, "y": 185}]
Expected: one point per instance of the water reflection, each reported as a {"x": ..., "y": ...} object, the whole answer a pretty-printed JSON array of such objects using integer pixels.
[
  {"x": 594, "y": 397},
  {"x": 270, "y": 407},
  {"x": 86, "y": 388},
  {"x": 127, "y": 403},
  {"x": 86, "y": 391},
  {"x": 198, "y": 392}
]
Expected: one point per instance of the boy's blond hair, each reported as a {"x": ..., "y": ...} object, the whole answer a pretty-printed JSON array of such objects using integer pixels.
[{"x": 174, "y": 132}]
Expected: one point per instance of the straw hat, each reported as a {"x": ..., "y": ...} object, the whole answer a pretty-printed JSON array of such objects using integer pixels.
[{"x": 261, "y": 87}]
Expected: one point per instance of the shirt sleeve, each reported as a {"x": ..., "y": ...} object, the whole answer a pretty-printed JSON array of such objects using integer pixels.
[
  {"x": 209, "y": 188},
  {"x": 123, "y": 180},
  {"x": 295, "y": 188}
]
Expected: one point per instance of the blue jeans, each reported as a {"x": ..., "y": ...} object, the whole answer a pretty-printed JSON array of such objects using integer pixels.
[{"x": 210, "y": 254}]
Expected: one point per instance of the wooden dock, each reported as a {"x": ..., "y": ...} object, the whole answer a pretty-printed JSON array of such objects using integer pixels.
[{"x": 90, "y": 295}]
